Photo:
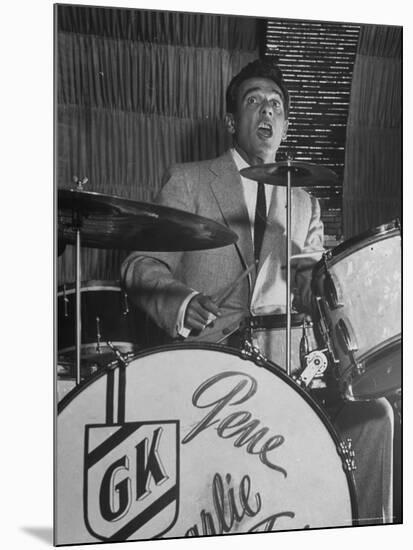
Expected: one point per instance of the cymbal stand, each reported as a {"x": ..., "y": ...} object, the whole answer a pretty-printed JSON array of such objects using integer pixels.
[
  {"x": 288, "y": 258},
  {"x": 77, "y": 224}
]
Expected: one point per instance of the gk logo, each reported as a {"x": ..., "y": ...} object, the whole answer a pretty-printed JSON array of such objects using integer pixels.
[{"x": 131, "y": 479}]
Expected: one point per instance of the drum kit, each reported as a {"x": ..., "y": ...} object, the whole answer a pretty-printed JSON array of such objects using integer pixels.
[{"x": 199, "y": 439}]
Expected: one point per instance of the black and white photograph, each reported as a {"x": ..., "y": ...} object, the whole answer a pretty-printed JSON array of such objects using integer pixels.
[
  {"x": 229, "y": 274},
  {"x": 226, "y": 349}
]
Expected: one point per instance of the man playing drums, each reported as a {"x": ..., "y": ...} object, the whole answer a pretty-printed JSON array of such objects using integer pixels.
[{"x": 179, "y": 290}]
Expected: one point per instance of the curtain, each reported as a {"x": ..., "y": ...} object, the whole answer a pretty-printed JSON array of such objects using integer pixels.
[
  {"x": 372, "y": 174},
  {"x": 137, "y": 91}
]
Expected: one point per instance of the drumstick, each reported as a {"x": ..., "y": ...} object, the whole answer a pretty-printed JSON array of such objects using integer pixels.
[
  {"x": 307, "y": 254},
  {"x": 223, "y": 295},
  {"x": 220, "y": 298}
]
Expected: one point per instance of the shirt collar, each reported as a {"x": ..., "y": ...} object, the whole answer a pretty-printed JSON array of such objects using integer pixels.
[{"x": 240, "y": 163}]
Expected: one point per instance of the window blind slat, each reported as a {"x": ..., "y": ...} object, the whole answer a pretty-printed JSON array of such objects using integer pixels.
[{"x": 317, "y": 61}]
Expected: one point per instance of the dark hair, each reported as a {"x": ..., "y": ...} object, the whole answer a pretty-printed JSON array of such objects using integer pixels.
[{"x": 260, "y": 68}]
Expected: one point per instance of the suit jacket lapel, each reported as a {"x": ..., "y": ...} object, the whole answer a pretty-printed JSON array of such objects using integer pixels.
[{"x": 227, "y": 189}]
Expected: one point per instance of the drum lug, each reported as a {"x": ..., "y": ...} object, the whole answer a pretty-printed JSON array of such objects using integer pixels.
[
  {"x": 122, "y": 358},
  {"x": 348, "y": 454},
  {"x": 325, "y": 330},
  {"x": 125, "y": 304},
  {"x": 98, "y": 335},
  {"x": 360, "y": 368},
  {"x": 251, "y": 352}
]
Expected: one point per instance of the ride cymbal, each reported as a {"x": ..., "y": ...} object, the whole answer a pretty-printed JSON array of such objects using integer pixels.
[{"x": 303, "y": 174}]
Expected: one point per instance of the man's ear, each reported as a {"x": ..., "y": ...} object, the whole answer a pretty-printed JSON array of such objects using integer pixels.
[
  {"x": 285, "y": 129},
  {"x": 230, "y": 123}
]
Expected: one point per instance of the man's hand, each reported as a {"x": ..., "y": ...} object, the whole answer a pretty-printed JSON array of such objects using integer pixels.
[{"x": 200, "y": 312}]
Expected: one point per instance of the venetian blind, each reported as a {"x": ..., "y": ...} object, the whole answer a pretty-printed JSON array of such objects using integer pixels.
[{"x": 317, "y": 61}]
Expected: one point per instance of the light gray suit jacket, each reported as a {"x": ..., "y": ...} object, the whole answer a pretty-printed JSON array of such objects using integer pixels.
[{"x": 158, "y": 282}]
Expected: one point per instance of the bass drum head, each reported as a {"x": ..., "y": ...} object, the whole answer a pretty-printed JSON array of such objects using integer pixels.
[{"x": 191, "y": 441}]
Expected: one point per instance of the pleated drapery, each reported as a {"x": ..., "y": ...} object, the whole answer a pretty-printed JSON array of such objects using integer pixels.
[
  {"x": 372, "y": 176},
  {"x": 136, "y": 92}
]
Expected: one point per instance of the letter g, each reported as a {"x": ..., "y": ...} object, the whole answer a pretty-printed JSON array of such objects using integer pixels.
[{"x": 108, "y": 491}]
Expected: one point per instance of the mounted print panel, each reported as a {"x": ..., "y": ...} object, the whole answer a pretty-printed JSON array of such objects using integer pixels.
[{"x": 228, "y": 275}]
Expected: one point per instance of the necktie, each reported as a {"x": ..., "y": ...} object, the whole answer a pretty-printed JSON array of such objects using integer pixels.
[{"x": 260, "y": 220}]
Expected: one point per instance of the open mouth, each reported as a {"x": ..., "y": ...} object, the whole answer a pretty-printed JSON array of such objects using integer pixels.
[{"x": 265, "y": 130}]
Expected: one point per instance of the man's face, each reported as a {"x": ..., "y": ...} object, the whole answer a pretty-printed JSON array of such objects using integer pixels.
[{"x": 259, "y": 123}]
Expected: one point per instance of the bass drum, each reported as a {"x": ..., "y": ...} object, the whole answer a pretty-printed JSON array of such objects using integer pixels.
[{"x": 194, "y": 440}]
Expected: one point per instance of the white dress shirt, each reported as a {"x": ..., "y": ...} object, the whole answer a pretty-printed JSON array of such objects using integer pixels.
[{"x": 249, "y": 189}]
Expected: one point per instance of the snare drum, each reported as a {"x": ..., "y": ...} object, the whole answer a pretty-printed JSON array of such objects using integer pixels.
[
  {"x": 105, "y": 316},
  {"x": 268, "y": 334},
  {"x": 195, "y": 440},
  {"x": 357, "y": 287}
]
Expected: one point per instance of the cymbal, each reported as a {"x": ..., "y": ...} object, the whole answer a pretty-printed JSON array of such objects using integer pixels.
[
  {"x": 108, "y": 221},
  {"x": 303, "y": 174}
]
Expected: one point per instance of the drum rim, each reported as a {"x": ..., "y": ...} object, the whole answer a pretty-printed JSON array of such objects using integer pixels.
[
  {"x": 87, "y": 345},
  {"x": 357, "y": 242},
  {"x": 367, "y": 359},
  {"x": 270, "y": 366},
  {"x": 92, "y": 285}
]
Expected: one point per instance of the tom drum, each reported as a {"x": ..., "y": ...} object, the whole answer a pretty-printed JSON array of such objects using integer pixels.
[{"x": 358, "y": 291}]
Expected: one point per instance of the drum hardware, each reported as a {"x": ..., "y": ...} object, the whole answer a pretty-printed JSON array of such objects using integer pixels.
[
  {"x": 121, "y": 363},
  {"x": 288, "y": 264},
  {"x": 124, "y": 358},
  {"x": 348, "y": 345},
  {"x": 348, "y": 454},
  {"x": 77, "y": 221},
  {"x": 325, "y": 329},
  {"x": 304, "y": 342},
  {"x": 250, "y": 352},
  {"x": 65, "y": 302},
  {"x": 80, "y": 182},
  {"x": 125, "y": 303},
  {"x": 316, "y": 365},
  {"x": 313, "y": 360},
  {"x": 98, "y": 335},
  {"x": 289, "y": 174}
]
